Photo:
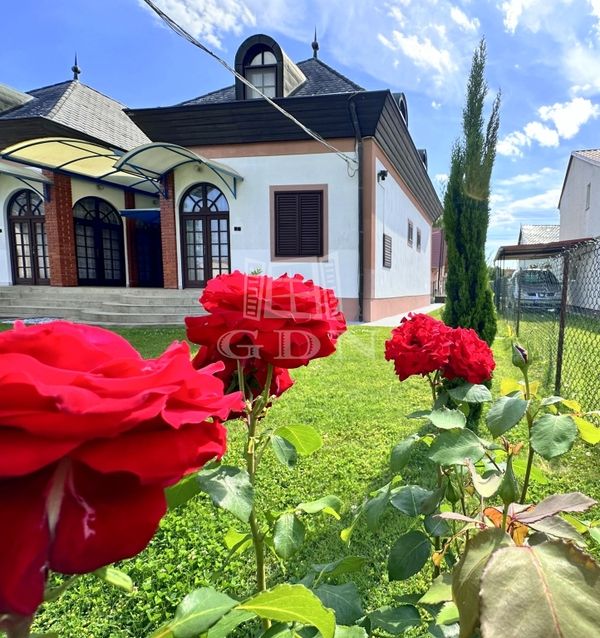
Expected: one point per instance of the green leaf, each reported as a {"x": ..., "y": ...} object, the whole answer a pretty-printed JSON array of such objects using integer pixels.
[
  {"x": 412, "y": 500},
  {"x": 537, "y": 475},
  {"x": 331, "y": 505},
  {"x": 395, "y": 620},
  {"x": 437, "y": 526},
  {"x": 470, "y": 393},
  {"x": 229, "y": 488},
  {"x": 595, "y": 534},
  {"x": 288, "y": 535},
  {"x": 453, "y": 447},
  {"x": 576, "y": 523},
  {"x": 448, "y": 614},
  {"x": 558, "y": 527},
  {"x": 344, "y": 600},
  {"x": 304, "y": 438},
  {"x": 504, "y": 414},
  {"x": 237, "y": 542},
  {"x": 553, "y": 435},
  {"x": 284, "y": 451},
  {"x": 439, "y": 592},
  {"x": 182, "y": 492},
  {"x": 401, "y": 453},
  {"x": 487, "y": 486},
  {"x": 508, "y": 386},
  {"x": 196, "y": 613},
  {"x": 374, "y": 508},
  {"x": 588, "y": 432},
  {"x": 283, "y": 630},
  {"x": 443, "y": 631},
  {"x": 115, "y": 577},
  {"x": 346, "y": 565},
  {"x": 447, "y": 419},
  {"x": 408, "y": 556},
  {"x": 554, "y": 504},
  {"x": 559, "y": 596},
  {"x": 466, "y": 577},
  {"x": 229, "y": 622},
  {"x": 350, "y": 632},
  {"x": 292, "y": 603}
]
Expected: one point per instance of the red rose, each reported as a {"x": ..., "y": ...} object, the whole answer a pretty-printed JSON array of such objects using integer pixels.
[
  {"x": 90, "y": 435},
  {"x": 285, "y": 321},
  {"x": 419, "y": 345},
  {"x": 470, "y": 357}
]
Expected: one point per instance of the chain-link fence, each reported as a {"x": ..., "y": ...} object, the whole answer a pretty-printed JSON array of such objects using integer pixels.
[{"x": 552, "y": 304}]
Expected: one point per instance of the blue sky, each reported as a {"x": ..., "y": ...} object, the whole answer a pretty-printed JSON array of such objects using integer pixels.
[{"x": 543, "y": 54}]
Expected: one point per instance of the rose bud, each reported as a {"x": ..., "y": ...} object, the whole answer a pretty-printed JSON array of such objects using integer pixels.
[{"x": 520, "y": 358}]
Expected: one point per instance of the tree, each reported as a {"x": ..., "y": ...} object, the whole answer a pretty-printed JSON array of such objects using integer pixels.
[{"x": 469, "y": 301}]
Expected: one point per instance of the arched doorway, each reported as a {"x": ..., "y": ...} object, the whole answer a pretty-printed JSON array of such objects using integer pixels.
[
  {"x": 98, "y": 243},
  {"x": 204, "y": 221},
  {"x": 29, "y": 244}
]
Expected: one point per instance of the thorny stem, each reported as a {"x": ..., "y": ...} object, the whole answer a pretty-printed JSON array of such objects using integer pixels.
[
  {"x": 529, "y": 416},
  {"x": 253, "y": 415},
  {"x": 16, "y": 626},
  {"x": 436, "y": 539}
]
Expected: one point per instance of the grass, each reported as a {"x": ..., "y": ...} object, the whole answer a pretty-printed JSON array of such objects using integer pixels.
[{"x": 358, "y": 405}]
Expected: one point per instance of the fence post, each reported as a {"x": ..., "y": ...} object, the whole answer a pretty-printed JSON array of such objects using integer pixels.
[
  {"x": 562, "y": 324},
  {"x": 518, "y": 322}
]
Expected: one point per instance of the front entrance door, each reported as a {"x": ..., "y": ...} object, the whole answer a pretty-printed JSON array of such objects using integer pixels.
[
  {"x": 204, "y": 235},
  {"x": 29, "y": 244},
  {"x": 148, "y": 254},
  {"x": 98, "y": 243}
]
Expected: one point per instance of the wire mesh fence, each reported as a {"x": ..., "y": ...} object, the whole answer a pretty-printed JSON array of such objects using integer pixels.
[{"x": 552, "y": 304}]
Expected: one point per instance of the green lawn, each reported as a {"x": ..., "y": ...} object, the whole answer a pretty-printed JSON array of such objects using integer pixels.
[{"x": 358, "y": 405}]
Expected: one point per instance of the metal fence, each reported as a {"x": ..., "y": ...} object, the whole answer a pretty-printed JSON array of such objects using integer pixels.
[{"x": 552, "y": 304}]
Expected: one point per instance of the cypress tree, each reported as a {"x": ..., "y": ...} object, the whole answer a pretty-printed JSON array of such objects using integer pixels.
[{"x": 469, "y": 301}]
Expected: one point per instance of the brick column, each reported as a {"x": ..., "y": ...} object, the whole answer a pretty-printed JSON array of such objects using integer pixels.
[
  {"x": 60, "y": 231},
  {"x": 131, "y": 251},
  {"x": 168, "y": 233}
]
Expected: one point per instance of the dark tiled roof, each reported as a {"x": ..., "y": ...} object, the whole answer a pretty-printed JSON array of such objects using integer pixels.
[
  {"x": 321, "y": 79},
  {"x": 83, "y": 109},
  {"x": 539, "y": 233}
]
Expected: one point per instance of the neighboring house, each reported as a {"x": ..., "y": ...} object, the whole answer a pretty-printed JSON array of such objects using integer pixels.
[
  {"x": 439, "y": 264},
  {"x": 230, "y": 183},
  {"x": 537, "y": 234}
]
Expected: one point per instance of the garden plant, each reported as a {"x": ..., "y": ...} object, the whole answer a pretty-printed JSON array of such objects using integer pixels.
[{"x": 98, "y": 442}]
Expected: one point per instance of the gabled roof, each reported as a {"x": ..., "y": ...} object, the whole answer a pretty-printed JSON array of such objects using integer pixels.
[
  {"x": 539, "y": 233},
  {"x": 77, "y": 107},
  {"x": 321, "y": 79},
  {"x": 591, "y": 156}
]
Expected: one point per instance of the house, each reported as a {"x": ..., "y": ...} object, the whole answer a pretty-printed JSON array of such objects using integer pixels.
[
  {"x": 334, "y": 189},
  {"x": 537, "y": 234}
]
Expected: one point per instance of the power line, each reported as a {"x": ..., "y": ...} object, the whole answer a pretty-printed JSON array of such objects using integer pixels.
[{"x": 350, "y": 161}]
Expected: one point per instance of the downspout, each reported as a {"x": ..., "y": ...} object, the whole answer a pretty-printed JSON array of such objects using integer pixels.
[{"x": 361, "y": 230}]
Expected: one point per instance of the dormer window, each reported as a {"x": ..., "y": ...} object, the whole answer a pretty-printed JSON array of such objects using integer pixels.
[
  {"x": 261, "y": 61},
  {"x": 261, "y": 70}
]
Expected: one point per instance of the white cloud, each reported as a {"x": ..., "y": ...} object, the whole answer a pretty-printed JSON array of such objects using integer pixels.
[
  {"x": 421, "y": 51},
  {"x": 512, "y": 12},
  {"x": 463, "y": 21},
  {"x": 527, "y": 178},
  {"x": 436, "y": 105},
  {"x": 543, "y": 135},
  {"x": 208, "y": 19},
  {"x": 569, "y": 117}
]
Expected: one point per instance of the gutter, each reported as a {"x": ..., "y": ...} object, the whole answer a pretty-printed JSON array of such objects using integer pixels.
[{"x": 361, "y": 230}]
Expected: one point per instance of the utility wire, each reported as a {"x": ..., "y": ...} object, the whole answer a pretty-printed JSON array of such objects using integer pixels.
[{"x": 350, "y": 161}]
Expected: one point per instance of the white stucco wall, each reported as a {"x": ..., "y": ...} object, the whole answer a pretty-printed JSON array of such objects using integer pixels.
[
  {"x": 575, "y": 221},
  {"x": 251, "y": 246},
  {"x": 410, "y": 273}
]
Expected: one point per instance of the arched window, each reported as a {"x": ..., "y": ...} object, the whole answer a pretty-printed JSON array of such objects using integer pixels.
[
  {"x": 260, "y": 60},
  {"x": 98, "y": 243},
  {"x": 204, "y": 222},
  {"x": 29, "y": 244},
  {"x": 261, "y": 70}
]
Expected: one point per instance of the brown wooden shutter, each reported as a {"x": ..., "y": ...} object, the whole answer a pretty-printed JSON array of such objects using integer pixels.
[
  {"x": 387, "y": 251},
  {"x": 299, "y": 224}
]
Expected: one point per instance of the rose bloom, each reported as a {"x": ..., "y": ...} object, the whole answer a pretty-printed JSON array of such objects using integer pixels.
[
  {"x": 419, "y": 345},
  {"x": 470, "y": 357},
  {"x": 286, "y": 322},
  {"x": 90, "y": 435}
]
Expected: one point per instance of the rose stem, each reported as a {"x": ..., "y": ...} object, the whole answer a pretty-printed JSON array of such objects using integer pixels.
[
  {"x": 529, "y": 416},
  {"x": 436, "y": 539},
  {"x": 19, "y": 628},
  {"x": 253, "y": 415}
]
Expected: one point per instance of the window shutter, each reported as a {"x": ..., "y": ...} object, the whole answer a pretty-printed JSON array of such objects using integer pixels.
[
  {"x": 387, "y": 251},
  {"x": 287, "y": 227},
  {"x": 299, "y": 224},
  {"x": 311, "y": 224}
]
